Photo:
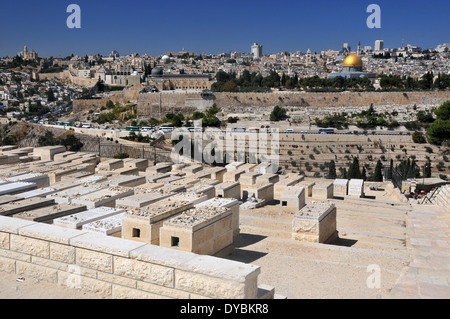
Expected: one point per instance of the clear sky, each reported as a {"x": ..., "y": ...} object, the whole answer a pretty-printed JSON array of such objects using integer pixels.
[{"x": 212, "y": 27}]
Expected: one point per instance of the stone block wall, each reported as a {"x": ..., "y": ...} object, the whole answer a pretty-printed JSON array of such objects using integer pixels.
[{"x": 117, "y": 267}]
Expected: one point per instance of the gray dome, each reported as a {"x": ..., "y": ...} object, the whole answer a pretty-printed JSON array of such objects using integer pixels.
[{"x": 157, "y": 71}]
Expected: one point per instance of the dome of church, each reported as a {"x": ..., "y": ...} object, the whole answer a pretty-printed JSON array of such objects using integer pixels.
[{"x": 353, "y": 60}]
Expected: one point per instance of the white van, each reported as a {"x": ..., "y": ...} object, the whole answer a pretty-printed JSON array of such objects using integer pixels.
[
  {"x": 166, "y": 129},
  {"x": 289, "y": 130},
  {"x": 86, "y": 125}
]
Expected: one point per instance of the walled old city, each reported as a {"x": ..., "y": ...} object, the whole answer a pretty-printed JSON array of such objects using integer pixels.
[{"x": 329, "y": 178}]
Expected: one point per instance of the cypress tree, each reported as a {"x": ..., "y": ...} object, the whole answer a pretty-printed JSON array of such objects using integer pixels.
[
  {"x": 331, "y": 170},
  {"x": 378, "y": 175}
]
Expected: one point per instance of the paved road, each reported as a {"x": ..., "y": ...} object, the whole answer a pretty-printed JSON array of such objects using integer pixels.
[{"x": 428, "y": 239}]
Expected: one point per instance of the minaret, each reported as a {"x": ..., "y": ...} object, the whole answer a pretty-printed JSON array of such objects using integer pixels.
[
  {"x": 359, "y": 48},
  {"x": 25, "y": 52}
]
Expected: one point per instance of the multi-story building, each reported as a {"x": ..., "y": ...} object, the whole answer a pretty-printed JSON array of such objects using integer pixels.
[
  {"x": 257, "y": 51},
  {"x": 379, "y": 45}
]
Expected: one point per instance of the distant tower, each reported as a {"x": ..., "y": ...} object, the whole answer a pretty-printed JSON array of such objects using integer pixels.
[
  {"x": 308, "y": 57},
  {"x": 379, "y": 45},
  {"x": 359, "y": 48},
  {"x": 346, "y": 48},
  {"x": 256, "y": 51}
]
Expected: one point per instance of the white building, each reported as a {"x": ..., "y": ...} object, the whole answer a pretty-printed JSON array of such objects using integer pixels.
[
  {"x": 379, "y": 45},
  {"x": 256, "y": 51},
  {"x": 84, "y": 73}
]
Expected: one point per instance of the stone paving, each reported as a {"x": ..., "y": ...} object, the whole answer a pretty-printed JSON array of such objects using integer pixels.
[{"x": 428, "y": 240}]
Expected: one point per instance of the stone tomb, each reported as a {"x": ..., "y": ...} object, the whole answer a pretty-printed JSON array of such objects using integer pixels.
[
  {"x": 356, "y": 188},
  {"x": 139, "y": 163},
  {"x": 229, "y": 190},
  {"x": 109, "y": 165},
  {"x": 47, "y": 214},
  {"x": 108, "y": 226},
  {"x": 267, "y": 178},
  {"x": 248, "y": 180},
  {"x": 204, "y": 230},
  {"x": 47, "y": 153},
  {"x": 41, "y": 180},
  {"x": 8, "y": 198},
  {"x": 292, "y": 200},
  {"x": 263, "y": 193},
  {"x": 141, "y": 198},
  {"x": 72, "y": 182},
  {"x": 233, "y": 175},
  {"x": 40, "y": 192},
  {"x": 154, "y": 178},
  {"x": 24, "y": 205},
  {"x": 15, "y": 188},
  {"x": 217, "y": 173},
  {"x": 104, "y": 197},
  {"x": 308, "y": 187},
  {"x": 69, "y": 194},
  {"x": 159, "y": 168},
  {"x": 323, "y": 190},
  {"x": 283, "y": 183},
  {"x": 315, "y": 223},
  {"x": 126, "y": 180},
  {"x": 232, "y": 204},
  {"x": 202, "y": 188},
  {"x": 76, "y": 221},
  {"x": 143, "y": 224},
  {"x": 340, "y": 187},
  {"x": 191, "y": 197}
]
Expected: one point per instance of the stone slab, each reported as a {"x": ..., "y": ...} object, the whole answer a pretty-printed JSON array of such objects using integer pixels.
[
  {"x": 76, "y": 221},
  {"x": 47, "y": 214},
  {"x": 106, "y": 226},
  {"x": 15, "y": 188},
  {"x": 24, "y": 205}
]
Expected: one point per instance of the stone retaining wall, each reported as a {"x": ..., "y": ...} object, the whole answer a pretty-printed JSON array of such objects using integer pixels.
[{"x": 117, "y": 267}]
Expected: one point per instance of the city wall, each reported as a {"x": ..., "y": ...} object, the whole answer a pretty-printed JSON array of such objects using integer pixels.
[
  {"x": 116, "y": 267},
  {"x": 158, "y": 104},
  {"x": 67, "y": 76}
]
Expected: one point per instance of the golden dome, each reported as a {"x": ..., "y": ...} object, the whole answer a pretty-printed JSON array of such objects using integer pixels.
[{"x": 353, "y": 60}]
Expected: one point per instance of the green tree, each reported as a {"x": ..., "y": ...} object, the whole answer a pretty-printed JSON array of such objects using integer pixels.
[
  {"x": 354, "y": 171},
  {"x": 48, "y": 139},
  {"x": 418, "y": 137},
  {"x": 427, "y": 169},
  {"x": 72, "y": 143},
  {"x": 277, "y": 114},
  {"x": 377, "y": 174},
  {"x": 331, "y": 170},
  {"x": 438, "y": 132}
]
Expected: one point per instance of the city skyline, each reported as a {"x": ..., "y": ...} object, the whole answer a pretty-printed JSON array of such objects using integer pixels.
[{"x": 210, "y": 28}]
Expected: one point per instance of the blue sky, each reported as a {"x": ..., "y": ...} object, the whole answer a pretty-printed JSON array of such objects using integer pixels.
[{"x": 200, "y": 26}]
